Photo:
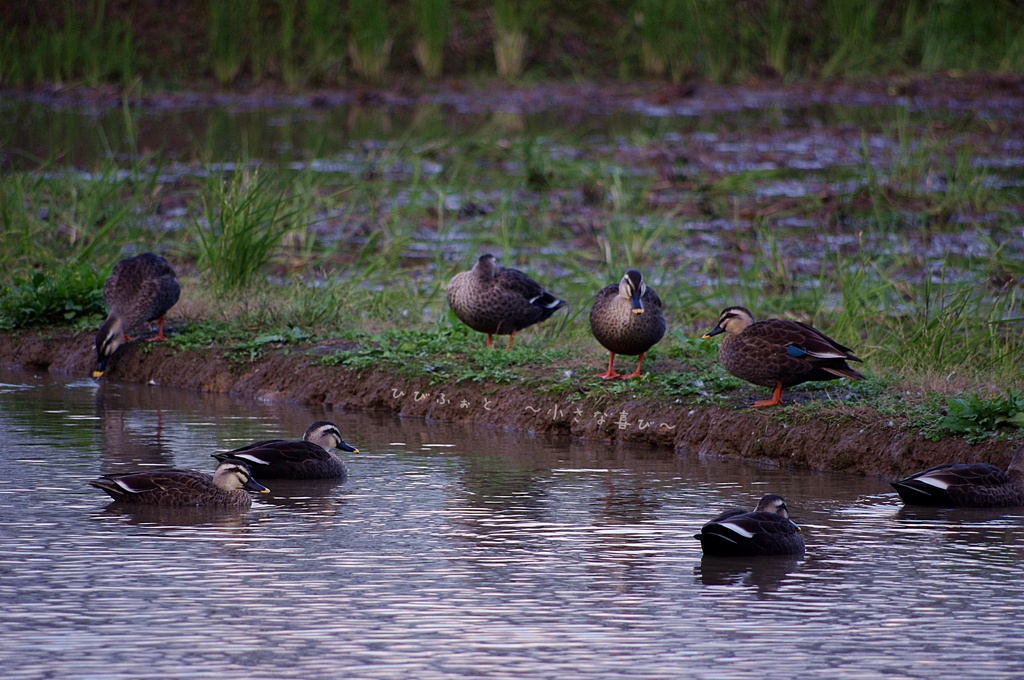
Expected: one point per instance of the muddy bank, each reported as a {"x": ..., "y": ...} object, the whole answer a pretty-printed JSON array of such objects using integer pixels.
[{"x": 861, "y": 441}]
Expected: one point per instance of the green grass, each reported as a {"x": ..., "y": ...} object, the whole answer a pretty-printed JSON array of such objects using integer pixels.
[
  {"x": 510, "y": 19},
  {"x": 245, "y": 217},
  {"x": 230, "y": 26},
  {"x": 433, "y": 23},
  {"x": 370, "y": 39},
  {"x": 68, "y": 295},
  {"x": 359, "y": 260},
  {"x": 83, "y": 44},
  {"x": 298, "y": 43}
]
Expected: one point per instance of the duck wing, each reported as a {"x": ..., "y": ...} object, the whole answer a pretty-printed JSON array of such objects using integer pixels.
[
  {"x": 275, "y": 452},
  {"x": 136, "y": 485},
  {"x": 518, "y": 283},
  {"x": 651, "y": 299},
  {"x": 737, "y": 533},
  {"x": 945, "y": 485}
]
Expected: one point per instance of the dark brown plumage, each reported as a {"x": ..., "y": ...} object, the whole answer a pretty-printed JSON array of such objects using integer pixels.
[
  {"x": 227, "y": 489},
  {"x": 765, "y": 531},
  {"x": 496, "y": 300},
  {"x": 779, "y": 353},
  {"x": 969, "y": 485},
  {"x": 141, "y": 288},
  {"x": 310, "y": 458},
  {"x": 626, "y": 318}
]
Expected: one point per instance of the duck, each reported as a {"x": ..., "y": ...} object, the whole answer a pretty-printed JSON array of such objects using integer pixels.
[
  {"x": 499, "y": 300},
  {"x": 966, "y": 485},
  {"x": 227, "y": 489},
  {"x": 626, "y": 318},
  {"x": 140, "y": 288},
  {"x": 767, "y": 530},
  {"x": 310, "y": 458},
  {"x": 778, "y": 353}
]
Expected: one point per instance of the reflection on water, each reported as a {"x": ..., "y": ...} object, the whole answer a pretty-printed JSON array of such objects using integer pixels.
[
  {"x": 459, "y": 552},
  {"x": 766, "y": 574}
]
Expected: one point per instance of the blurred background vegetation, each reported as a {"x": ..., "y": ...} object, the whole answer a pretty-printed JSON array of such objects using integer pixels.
[
  {"x": 888, "y": 213},
  {"x": 316, "y": 43}
]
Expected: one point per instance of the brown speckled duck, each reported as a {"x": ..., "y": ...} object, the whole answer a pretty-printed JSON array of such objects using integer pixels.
[
  {"x": 767, "y": 530},
  {"x": 227, "y": 489},
  {"x": 626, "y": 318},
  {"x": 779, "y": 353},
  {"x": 966, "y": 485},
  {"x": 310, "y": 458},
  {"x": 496, "y": 300},
  {"x": 140, "y": 289}
]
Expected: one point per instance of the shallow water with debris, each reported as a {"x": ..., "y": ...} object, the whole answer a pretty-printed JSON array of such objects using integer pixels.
[{"x": 454, "y": 551}]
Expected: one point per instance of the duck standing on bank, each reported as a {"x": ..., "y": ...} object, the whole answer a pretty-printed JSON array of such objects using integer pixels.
[
  {"x": 779, "y": 353},
  {"x": 497, "y": 300},
  {"x": 966, "y": 485},
  {"x": 141, "y": 288},
  {"x": 626, "y": 318},
  {"x": 227, "y": 489},
  {"x": 767, "y": 530},
  {"x": 310, "y": 458}
]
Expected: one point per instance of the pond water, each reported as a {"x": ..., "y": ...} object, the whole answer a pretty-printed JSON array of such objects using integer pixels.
[{"x": 455, "y": 551}]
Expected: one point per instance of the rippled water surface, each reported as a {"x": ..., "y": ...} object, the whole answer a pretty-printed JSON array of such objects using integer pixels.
[{"x": 456, "y": 552}]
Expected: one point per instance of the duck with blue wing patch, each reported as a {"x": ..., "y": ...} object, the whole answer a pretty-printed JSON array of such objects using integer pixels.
[{"x": 779, "y": 353}]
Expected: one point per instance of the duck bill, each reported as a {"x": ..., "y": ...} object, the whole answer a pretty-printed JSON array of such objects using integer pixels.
[
  {"x": 101, "y": 367},
  {"x": 347, "y": 447},
  {"x": 253, "y": 485},
  {"x": 636, "y": 303},
  {"x": 714, "y": 331}
]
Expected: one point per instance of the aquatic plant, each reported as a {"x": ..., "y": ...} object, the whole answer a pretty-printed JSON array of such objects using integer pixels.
[
  {"x": 244, "y": 218},
  {"x": 433, "y": 19},
  {"x": 87, "y": 45},
  {"x": 52, "y": 217},
  {"x": 298, "y": 42},
  {"x": 230, "y": 26},
  {"x": 370, "y": 40},
  {"x": 510, "y": 19},
  {"x": 852, "y": 36},
  {"x": 656, "y": 36},
  {"x": 777, "y": 36}
]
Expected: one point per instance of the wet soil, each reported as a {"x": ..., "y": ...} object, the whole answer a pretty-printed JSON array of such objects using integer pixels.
[{"x": 858, "y": 440}]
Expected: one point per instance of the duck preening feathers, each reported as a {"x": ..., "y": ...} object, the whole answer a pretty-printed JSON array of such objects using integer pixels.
[
  {"x": 141, "y": 288},
  {"x": 969, "y": 485},
  {"x": 767, "y": 530},
  {"x": 498, "y": 300}
]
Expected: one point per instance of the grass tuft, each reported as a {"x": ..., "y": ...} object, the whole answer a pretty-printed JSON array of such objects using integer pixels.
[
  {"x": 245, "y": 217},
  {"x": 370, "y": 43}
]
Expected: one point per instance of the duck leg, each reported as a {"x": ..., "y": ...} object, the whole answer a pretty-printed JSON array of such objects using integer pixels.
[
  {"x": 776, "y": 397},
  {"x": 636, "y": 373},
  {"x": 160, "y": 332},
  {"x": 510, "y": 339},
  {"x": 610, "y": 373},
  {"x": 490, "y": 339}
]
